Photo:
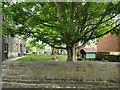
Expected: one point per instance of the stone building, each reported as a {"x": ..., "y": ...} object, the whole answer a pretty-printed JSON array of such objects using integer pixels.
[{"x": 13, "y": 46}]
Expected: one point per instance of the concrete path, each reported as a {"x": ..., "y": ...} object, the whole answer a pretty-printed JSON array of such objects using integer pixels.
[{"x": 14, "y": 59}]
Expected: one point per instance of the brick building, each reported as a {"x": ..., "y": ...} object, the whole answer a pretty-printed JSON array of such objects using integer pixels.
[
  {"x": 109, "y": 45},
  {"x": 13, "y": 46}
]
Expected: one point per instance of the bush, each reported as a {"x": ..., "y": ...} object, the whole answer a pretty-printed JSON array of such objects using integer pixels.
[{"x": 108, "y": 57}]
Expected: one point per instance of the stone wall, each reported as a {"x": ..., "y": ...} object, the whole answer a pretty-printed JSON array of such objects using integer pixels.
[{"x": 60, "y": 74}]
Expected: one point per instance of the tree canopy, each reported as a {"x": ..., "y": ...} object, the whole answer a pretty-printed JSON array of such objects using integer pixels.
[
  {"x": 62, "y": 23},
  {"x": 34, "y": 44}
]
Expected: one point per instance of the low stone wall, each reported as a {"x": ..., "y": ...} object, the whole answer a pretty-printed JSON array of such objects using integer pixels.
[{"x": 95, "y": 75}]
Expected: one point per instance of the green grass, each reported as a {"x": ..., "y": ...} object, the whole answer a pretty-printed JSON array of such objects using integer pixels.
[{"x": 47, "y": 57}]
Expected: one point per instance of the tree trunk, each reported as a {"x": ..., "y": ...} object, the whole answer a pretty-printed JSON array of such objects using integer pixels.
[
  {"x": 71, "y": 53},
  {"x": 53, "y": 51}
]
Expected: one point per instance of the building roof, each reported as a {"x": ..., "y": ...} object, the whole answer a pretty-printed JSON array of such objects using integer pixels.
[{"x": 89, "y": 49}]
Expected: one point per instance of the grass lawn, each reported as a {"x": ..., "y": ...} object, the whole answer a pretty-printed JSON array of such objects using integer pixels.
[
  {"x": 44, "y": 57},
  {"x": 47, "y": 57}
]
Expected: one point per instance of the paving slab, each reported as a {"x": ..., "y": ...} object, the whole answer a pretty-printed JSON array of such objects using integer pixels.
[{"x": 14, "y": 59}]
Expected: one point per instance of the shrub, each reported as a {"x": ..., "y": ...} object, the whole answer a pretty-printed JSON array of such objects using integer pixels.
[{"x": 110, "y": 58}]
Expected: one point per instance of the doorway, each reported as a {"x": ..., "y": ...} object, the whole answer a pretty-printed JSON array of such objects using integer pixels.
[
  {"x": 5, "y": 50},
  {"x": 21, "y": 48}
]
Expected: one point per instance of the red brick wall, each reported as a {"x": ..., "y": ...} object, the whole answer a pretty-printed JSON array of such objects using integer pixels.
[
  {"x": 119, "y": 43},
  {"x": 109, "y": 44}
]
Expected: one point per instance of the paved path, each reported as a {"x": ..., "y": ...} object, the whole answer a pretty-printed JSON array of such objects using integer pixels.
[{"x": 14, "y": 59}]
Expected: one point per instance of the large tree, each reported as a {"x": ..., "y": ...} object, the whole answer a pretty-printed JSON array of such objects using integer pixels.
[
  {"x": 62, "y": 23},
  {"x": 34, "y": 44}
]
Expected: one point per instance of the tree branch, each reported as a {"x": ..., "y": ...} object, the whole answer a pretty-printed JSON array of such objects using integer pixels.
[
  {"x": 49, "y": 43},
  {"x": 93, "y": 13},
  {"x": 86, "y": 5},
  {"x": 79, "y": 18},
  {"x": 105, "y": 32},
  {"x": 82, "y": 46},
  {"x": 59, "y": 11},
  {"x": 43, "y": 33},
  {"x": 73, "y": 6},
  {"x": 109, "y": 18},
  {"x": 94, "y": 28},
  {"x": 42, "y": 5},
  {"x": 86, "y": 40},
  {"x": 103, "y": 21},
  {"x": 46, "y": 25}
]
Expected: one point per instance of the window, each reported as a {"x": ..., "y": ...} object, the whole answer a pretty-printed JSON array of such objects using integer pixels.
[
  {"x": 6, "y": 47},
  {"x": 16, "y": 47}
]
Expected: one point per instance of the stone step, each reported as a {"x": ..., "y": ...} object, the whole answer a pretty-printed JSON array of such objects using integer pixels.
[{"x": 26, "y": 85}]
